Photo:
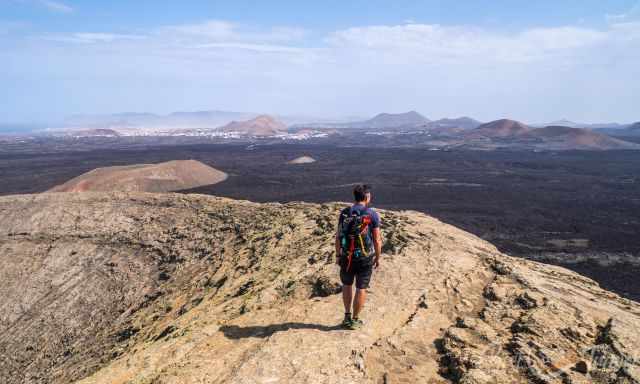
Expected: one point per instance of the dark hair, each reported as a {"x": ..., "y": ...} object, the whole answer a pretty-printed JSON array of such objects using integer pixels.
[{"x": 360, "y": 192}]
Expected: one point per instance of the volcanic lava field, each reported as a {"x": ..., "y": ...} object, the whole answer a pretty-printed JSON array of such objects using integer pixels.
[{"x": 580, "y": 209}]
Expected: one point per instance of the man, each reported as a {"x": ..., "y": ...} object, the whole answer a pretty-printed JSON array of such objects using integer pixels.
[{"x": 358, "y": 247}]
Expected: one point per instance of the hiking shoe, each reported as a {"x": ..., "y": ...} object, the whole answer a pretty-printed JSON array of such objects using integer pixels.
[
  {"x": 356, "y": 324},
  {"x": 346, "y": 323}
]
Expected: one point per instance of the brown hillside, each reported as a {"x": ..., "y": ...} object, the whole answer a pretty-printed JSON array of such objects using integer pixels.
[
  {"x": 260, "y": 126},
  {"x": 167, "y": 288},
  {"x": 164, "y": 177},
  {"x": 499, "y": 129},
  {"x": 577, "y": 138}
]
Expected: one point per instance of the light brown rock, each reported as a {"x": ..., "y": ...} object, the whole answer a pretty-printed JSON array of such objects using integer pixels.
[{"x": 168, "y": 288}]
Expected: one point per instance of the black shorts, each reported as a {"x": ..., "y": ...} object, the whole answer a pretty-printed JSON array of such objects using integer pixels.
[{"x": 361, "y": 270}]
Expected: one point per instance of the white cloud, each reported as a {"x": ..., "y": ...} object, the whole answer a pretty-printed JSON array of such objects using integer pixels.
[
  {"x": 52, "y": 5},
  {"x": 184, "y": 39},
  {"x": 446, "y": 43},
  {"x": 213, "y": 29},
  {"x": 91, "y": 37},
  {"x": 224, "y": 31},
  {"x": 559, "y": 39},
  {"x": 632, "y": 14},
  {"x": 56, "y": 6},
  {"x": 251, "y": 47},
  {"x": 629, "y": 31},
  {"x": 534, "y": 74}
]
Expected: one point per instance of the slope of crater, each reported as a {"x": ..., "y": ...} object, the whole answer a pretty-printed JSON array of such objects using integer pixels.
[
  {"x": 163, "y": 177},
  {"x": 166, "y": 288}
]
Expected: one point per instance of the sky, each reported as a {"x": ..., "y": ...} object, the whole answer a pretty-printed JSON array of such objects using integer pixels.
[{"x": 534, "y": 61}]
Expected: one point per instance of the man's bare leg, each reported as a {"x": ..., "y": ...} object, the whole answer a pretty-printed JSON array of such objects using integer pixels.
[
  {"x": 347, "y": 297},
  {"x": 358, "y": 303}
]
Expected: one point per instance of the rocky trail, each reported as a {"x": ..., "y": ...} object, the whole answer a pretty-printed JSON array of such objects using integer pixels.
[{"x": 168, "y": 288}]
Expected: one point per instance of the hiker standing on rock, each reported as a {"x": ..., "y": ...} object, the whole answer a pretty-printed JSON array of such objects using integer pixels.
[{"x": 358, "y": 248}]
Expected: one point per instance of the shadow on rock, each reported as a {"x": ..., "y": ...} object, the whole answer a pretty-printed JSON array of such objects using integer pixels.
[{"x": 236, "y": 332}]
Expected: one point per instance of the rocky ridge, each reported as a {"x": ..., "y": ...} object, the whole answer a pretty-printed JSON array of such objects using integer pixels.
[{"x": 166, "y": 288}]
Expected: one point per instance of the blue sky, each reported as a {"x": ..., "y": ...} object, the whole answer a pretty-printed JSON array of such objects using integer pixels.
[{"x": 534, "y": 61}]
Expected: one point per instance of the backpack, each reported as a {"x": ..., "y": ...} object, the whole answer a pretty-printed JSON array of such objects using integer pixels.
[{"x": 355, "y": 237}]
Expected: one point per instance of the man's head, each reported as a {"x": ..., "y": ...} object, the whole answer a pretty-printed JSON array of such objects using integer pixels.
[{"x": 362, "y": 193}]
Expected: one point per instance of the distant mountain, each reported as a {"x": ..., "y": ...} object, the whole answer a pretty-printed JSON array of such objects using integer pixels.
[
  {"x": 514, "y": 134},
  {"x": 209, "y": 117},
  {"x": 306, "y": 121},
  {"x": 603, "y": 125},
  {"x": 105, "y": 121},
  {"x": 411, "y": 119},
  {"x": 564, "y": 123},
  {"x": 175, "y": 120},
  {"x": 559, "y": 137},
  {"x": 502, "y": 128},
  {"x": 393, "y": 120},
  {"x": 460, "y": 122},
  {"x": 573, "y": 124},
  {"x": 630, "y": 130},
  {"x": 129, "y": 122},
  {"x": 407, "y": 120},
  {"x": 263, "y": 125}
]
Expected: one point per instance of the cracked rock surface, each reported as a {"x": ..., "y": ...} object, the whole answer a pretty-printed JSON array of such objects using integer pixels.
[{"x": 170, "y": 288}]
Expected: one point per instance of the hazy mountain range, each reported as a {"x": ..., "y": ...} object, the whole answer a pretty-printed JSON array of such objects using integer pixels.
[
  {"x": 446, "y": 132},
  {"x": 187, "y": 120},
  {"x": 197, "y": 119},
  {"x": 406, "y": 120},
  {"x": 218, "y": 118},
  {"x": 573, "y": 124},
  {"x": 629, "y": 130},
  {"x": 549, "y": 137},
  {"x": 409, "y": 119},
  {"x": 211, "y": 119}
]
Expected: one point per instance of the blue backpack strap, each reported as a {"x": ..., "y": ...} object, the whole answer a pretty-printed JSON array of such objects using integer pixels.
[
  {"x": 345, "y": 212},
  {"x": 360, "y": 210}
]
